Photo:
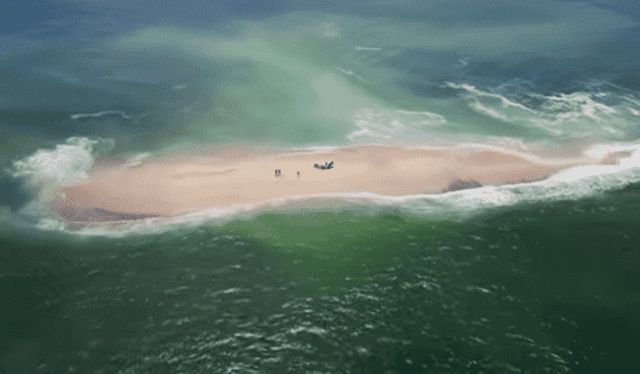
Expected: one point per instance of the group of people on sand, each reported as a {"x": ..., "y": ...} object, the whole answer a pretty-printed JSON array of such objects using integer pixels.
[
  {"x": 279, "y": 172},
  {"x": 327, "y": 165}
]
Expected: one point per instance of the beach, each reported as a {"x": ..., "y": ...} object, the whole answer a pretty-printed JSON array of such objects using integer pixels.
[{"x": 178, "y": 185}]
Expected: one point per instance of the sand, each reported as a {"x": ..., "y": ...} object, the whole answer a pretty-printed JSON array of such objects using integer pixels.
[{"x": 177, "y": 185}]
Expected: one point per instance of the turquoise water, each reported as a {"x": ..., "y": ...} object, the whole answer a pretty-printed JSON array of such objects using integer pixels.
[{"x": 531, "y": 278}]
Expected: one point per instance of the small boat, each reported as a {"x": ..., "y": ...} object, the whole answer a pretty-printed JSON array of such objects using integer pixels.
[{"x": 327, "y": 165}]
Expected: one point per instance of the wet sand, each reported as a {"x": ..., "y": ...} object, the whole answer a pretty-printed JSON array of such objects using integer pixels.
[{"x": 178, "y": 185}]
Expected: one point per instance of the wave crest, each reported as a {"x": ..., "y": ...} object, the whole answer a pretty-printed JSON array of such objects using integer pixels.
[{"x": 64, "y": 165}]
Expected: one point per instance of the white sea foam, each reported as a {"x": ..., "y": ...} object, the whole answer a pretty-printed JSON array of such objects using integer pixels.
[
  {"x": 69, "y": 163},
  {"x": 391, "y": 124},
  {"x": 137, "y": 160},
  {"x": 47, "y": 170},
  {"x": 367, "y": 48},
  {"x": 505, "y": 102},
  {"x": 462, "y": 63},
  {"x": 579, "y": 114},
  {"x": 570, "y": 184},
  {"x": 64, "y": 165},
  {"x": 100, "y": 114}
]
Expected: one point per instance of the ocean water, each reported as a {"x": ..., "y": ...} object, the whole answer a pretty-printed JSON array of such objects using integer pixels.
[{"x": 530, "y": 278}]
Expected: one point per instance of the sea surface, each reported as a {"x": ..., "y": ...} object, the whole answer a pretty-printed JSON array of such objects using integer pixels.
[{"x": 541, "y": 277}]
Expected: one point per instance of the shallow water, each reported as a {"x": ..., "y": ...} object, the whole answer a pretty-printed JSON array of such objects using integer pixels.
[{"x": 537, "y": 277}]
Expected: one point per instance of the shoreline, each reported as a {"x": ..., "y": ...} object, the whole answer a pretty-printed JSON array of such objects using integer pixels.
[{"x": 179, "y": 184}]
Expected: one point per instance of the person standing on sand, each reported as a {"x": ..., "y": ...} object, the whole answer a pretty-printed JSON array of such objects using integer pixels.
[{"x": 298, "y": 175}]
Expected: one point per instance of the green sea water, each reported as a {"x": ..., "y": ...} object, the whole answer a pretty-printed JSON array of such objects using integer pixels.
[{"x": 529, "y": 289}]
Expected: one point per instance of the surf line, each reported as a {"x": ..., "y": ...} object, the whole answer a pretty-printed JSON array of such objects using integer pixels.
[{"x": 177, "y": 185}]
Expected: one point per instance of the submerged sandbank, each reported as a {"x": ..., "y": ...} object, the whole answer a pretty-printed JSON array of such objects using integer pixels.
[{"x": 182, "y": 184}]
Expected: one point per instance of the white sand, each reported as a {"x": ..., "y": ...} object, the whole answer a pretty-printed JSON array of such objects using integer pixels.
[{"x": 178, "y": 185}]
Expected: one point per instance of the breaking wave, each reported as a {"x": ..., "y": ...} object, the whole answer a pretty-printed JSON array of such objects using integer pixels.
[{"x": 70, "y": 162}]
